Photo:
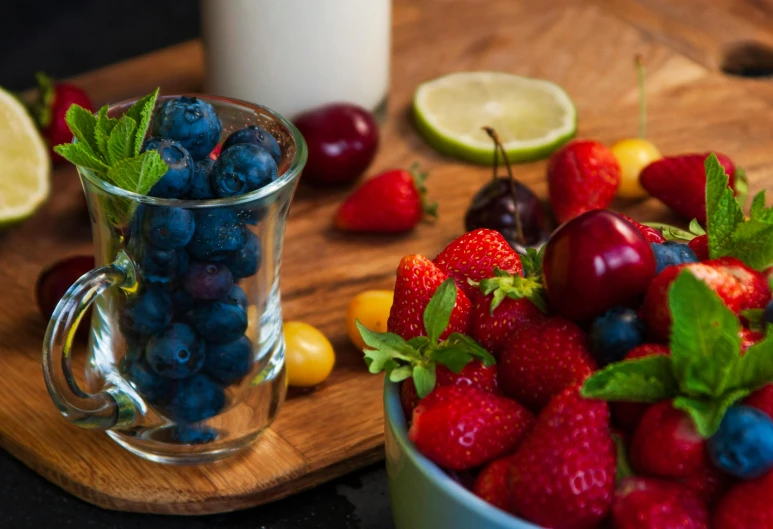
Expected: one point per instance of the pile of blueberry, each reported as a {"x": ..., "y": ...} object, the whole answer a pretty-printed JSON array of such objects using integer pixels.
[{"x": 185, "y": 329}]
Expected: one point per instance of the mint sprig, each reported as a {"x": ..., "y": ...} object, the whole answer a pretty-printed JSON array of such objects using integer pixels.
[
  {"x": 418, "y": 357},
  {"x": 706, "y": 372},
  {"x": 110, "y": 147}
]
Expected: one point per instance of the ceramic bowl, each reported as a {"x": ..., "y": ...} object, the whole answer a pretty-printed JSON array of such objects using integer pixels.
[{"x": 422, "y": 495}]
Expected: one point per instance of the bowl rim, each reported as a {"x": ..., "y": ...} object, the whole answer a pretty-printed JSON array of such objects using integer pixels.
[{"x": 396, "y": 420}]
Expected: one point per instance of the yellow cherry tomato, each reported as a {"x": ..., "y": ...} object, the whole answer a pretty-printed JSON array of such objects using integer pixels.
[
  {"x": 634, "y": 154},
  {"x": 371, "y": 308},
  {"x": 309, "y": 356}
]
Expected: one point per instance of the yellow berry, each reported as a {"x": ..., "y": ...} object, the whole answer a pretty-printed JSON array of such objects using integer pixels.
[
  {"x": 633, "y": 154},
  {"x": 371, "y": 308},
  {"x": 309, "y": 356}
]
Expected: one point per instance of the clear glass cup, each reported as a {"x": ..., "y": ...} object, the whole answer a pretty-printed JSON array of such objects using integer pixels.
[{"x": 171, "y": 378}]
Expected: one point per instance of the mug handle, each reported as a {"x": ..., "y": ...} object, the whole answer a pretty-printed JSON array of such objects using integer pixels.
[{"x": 109, "y": 408}]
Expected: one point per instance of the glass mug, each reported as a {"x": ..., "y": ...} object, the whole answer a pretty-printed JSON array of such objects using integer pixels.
[{"x": 175, "y": 378}]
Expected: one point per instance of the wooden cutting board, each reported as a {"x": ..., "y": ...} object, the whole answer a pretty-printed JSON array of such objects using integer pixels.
[{"x": 585, "y": 46}]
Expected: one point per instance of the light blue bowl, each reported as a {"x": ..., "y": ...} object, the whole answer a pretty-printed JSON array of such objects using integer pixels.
[{"x": 421, "y": 494}]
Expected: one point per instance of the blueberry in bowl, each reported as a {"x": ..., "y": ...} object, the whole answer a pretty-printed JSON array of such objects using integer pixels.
[
  {"x": 192, "y": 122},
  {"x": 255, "y": 135},
  {"x": 242, "y": 168},
  {"x": 177, "y": 179}
]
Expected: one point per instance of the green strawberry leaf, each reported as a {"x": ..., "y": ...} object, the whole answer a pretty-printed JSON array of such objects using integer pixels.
[
  {"x": 505, "y": 285},
  {"x": 474, "y": 348},
  {"x": 707, "y": 414},
  {"x": 76, "y": 154},
  {"x": 532, "y": 262},
  {"x": 388, "y": 342},
  {"x": 424, "y": 379},
  {"x": 648, "y": 379},
  {"x": 398, "y": 374},
  {"x": 454, "y": 357},
  {"x": 624, "y": 469},
  {"x": 379, "y": 360},
  {"x": 704, "y": 337},
  {"x": 753, "y": 243},
  {"x": 437, "y": 315},
  {"x": 671, "y": 233},
  {"x": 754, "y": 369},
  {"x": 723, "y": 213},
  {"x": 120, "y": 143},
  {"x": 696, "y": 228}
]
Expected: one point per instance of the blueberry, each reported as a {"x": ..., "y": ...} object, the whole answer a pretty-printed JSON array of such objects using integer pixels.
[
  {"x": 175, "y": 182},
  {"x": 219, "y": 232},
  {"x": 219, "y": 321},
  {"x": 168, "y": 228},
  {"x": 242, "y": 168},
  {"x": 246, "y": 261},
  {"x": 672, "y": 253},
  {"x": 156, "y": 265},
  {"x": 190, "y": 121},
  {"x": 151, "y": 387},
  {"x": 182, "y": 302},
  {"x": 255, "y": 136},
  {"x": 176, "y": 352},
  {"x": 197, "y": 398},
  {"x": 208, "y": 280},
  {"x": 768, "y": 316},
  {"x": 743, "y": 445},
  {"x": 252, "y": 215},
  {"x": 183, "y": 261},
  {"x": 237, "y": 296},
  {"x": 228, "y": 362},
  {"x": 147, "y": 313},
  {"x": 194, "y": 435},
  {"x": 200, "y": 188},
  {"x": 615, "y": 333}
]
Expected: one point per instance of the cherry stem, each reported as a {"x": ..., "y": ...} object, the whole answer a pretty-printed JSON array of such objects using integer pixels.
[
  {"x": 511, "y": 179},
  {"x": 642, "y": 97}
]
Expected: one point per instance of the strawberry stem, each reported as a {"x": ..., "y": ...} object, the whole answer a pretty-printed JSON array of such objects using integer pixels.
[
  {"x": 419, "y": 177},
  {"x": 642, "y": 96},
  {"x": 511, "y": 179}
]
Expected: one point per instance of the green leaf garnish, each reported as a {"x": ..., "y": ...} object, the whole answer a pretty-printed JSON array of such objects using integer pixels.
[
  {"x": 439, "y": 309},
  {"x": 120, "y": 143},
  {"x": 624, "y": 469},
  {"x": 648, "y": 379},
  {"x": 81, "y": 123},
  {"x": 505, "y": 285},
  {"x": 141, "y": 112},
  {"x": 424, "y": 379},
  {"x": 138, "y": 174},
  {"x": 671, "y": 233}
]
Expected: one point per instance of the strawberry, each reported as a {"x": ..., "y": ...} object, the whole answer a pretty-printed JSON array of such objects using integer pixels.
[
  {"x": 628, "y": 414},
  {"x": 762, "y": 399},
  {"x": 666, "y": 444},
  {"x": 474, "y": 256},
  {"x": 583, "y": 175},
  {"x": 700, "y": 245},
  {"x": 747, "y": 505},
  {"x": 50, "y": 108},
  {"x": 709, "y": 484},
  {"x": 680, "y": 183},
  {"x": 563, "y": 475},
  {"x": 475, "y": 374},
  {"x": 651, "y": 234},
  {"x": 749, "y": 338},
  {"x": 739, "y": 287},
  {"x": 417, "y": 280},
  {"x": 493, "y": 329},
  {"x": 463, "y": 427},
  {"x": 541, "y": 358},
  {"x": 492, "y": 484},
  {"x": 647, "y": 503},
  {"x": 391, "y": 202}
]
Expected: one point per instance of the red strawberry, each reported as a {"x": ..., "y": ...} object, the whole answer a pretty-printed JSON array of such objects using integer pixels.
[
  {"x": 709, "y": 484},
  {"x": 463, "y": 427},
  {"x": 739, "y": 286},
  {"x": 493, "y": 330},
  {"x": 666, "y": 444},
  {"x": 543, "y": 357},
  {"x": 492, "y": 484},
  {"x": 391, "y": 202},
  {"x": 680, "y": 183},
  {"x": 474, "y": 256},
  {"x": 647, "y": 503},
  {"x": 563, "y": 475},
  {"x": 583, "y": 175},
  {"x": 474, "y": 374},
  {"x": 747, "y": 505},
  {"x": 651, "y": 234},
  {"x": 628, "y": 414},
  {"x": 749, "y": 338},
  {"x": 700, "y": 245},
  {"x": 417, "y": 280},
  {"x": 52, "y": 105},
  {"x": 762, "y": 399}
]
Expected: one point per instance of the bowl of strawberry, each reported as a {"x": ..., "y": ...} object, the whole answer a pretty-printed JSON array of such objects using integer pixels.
[{"x": 613, "y": 379}]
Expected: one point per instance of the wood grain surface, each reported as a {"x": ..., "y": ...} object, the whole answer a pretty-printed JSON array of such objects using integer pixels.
[{"x": 585, "y": 46}]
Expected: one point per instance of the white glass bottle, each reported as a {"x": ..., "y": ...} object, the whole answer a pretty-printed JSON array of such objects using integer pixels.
[{"x": 294, "y": 55}]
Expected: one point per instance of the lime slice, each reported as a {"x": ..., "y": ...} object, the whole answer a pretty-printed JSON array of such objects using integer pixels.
[
  {"x": 24, "y": 181},
  {"x": 532, "y": 117}
]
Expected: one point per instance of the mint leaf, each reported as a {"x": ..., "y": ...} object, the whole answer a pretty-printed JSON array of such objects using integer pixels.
[
  {"x": 80, "y": 156},
  {"x": 121, "y": 140},
  {"x": 707, "y": 414},
  {"x": 753, "y": 243},
  {"x": 138, "y": 174},
  {"x": 741, "y": 185},
  {"x": 82, "y": 123},
  {"x": 671, "y": 233},
  {"x": 624, "y": 469},
  {"x": 424, "y": 379},
  {"x": 141, "y": 112},
  {"x": 399, "y": 374},
  {"x": 473, "y": 347},
  {"x": 758, "y": 210},
  {"x": 704, "y": 337},
  {"x": 454, "y": 357},
  {"x": 104, "y": 127},
  {"x": 648, "y": 379},
  {"x": 439, "y": 309},
  {"x": 723, "y": 213},
  {"x": 754, "y": 369}
]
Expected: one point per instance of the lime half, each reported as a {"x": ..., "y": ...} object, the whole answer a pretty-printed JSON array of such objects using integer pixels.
[
  {"x": 532, "y": 117},
  {"x": 24, "y": 162}
]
